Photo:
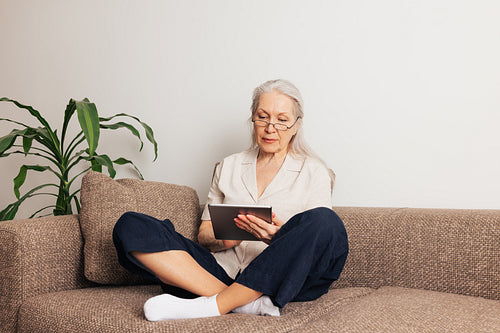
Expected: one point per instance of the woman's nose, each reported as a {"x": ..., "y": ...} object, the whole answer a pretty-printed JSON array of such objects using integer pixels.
[{"x": 270, "y": 128}]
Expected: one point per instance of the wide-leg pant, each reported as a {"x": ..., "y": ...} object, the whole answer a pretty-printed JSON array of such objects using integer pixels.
[{"x": 304, "y": 258}]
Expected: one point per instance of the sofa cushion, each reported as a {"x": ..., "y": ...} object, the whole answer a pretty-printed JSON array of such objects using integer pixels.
[
  {"x": 400, "y": 246},
  {"x": 104, "y": 200},
  {"x": 119, "y": 309},
  {"x": 395, "y": 309}
]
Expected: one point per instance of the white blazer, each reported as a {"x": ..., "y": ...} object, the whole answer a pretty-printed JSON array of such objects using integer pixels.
[{"x": 299, "y": 185}]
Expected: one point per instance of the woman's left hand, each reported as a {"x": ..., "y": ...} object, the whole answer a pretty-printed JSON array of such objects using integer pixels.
[{"x": 261, "y": 229}]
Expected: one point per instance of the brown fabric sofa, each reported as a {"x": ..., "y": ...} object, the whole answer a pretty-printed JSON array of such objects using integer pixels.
[{"x": 408, "y": 270}]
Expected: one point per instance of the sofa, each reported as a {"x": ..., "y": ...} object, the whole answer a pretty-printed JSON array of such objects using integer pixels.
[{"x": 408, "y": 270}]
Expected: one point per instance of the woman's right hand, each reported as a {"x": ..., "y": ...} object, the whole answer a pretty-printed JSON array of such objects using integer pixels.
[{"x": 261, "y": 229}]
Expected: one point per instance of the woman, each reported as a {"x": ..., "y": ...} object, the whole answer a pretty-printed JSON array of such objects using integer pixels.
[{"x": 295, "y": 260}]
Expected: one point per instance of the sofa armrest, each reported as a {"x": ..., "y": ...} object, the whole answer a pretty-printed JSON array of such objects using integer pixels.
[
  {"x": 38, "y": 256},
  {"x": 447, "y": 250}
]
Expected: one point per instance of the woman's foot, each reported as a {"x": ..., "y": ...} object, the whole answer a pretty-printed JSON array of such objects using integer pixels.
[
  {"x": 262, "y": 306},
  {"x": 165, "y": 306}
]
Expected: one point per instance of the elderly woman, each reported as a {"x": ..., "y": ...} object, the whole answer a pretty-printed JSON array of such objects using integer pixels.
[{"x": 300, "y": 253}]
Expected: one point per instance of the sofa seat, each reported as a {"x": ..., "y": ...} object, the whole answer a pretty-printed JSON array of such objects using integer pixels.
[
  {"x": 119, "y": 309},
  {"x": 395, "y": 309},
  {"x": 387, "y": 309}
]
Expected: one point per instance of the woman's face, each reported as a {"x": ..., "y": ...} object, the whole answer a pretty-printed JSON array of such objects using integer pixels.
[{"x": 274, "y": 108}]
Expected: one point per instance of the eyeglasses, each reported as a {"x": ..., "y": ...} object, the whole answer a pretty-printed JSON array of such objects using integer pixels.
[{"x": 277, "y": 126}]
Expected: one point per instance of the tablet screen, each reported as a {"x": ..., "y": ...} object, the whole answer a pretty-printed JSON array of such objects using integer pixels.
[{"x": 223, "y": 215}]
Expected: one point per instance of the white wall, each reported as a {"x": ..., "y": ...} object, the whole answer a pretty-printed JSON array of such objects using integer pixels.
[{"x": 402, "y": 97}]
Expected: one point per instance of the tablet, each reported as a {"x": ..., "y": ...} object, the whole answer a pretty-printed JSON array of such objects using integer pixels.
[{"x": 223, "y": 215}]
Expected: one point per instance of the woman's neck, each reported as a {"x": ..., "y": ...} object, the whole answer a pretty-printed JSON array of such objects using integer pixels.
[{"x": 271, "y": 158}]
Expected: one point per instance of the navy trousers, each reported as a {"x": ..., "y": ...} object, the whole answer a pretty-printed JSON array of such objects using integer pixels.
[{"x": 304, "y": 258}]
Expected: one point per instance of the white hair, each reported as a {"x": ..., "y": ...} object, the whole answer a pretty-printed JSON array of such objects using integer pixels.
[{"x": 297, "y": 146}]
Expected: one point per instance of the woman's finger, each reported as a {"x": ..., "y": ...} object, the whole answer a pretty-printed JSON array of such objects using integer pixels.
[
  {"x": 258, "y": 221},
  {"x": 242, "y": 222},
  {"x": 258, "y": 227},
  {"x": 265, "y": 229},
  {"x": 277, "y": 221}
]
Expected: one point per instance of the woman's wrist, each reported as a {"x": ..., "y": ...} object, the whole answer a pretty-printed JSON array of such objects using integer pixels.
[
  {"x": 206, "y": 238},
  {"x": 216, "y": 246}
]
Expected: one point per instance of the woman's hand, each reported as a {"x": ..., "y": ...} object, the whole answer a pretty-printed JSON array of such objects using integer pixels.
[{"x": 258, "y": 227}]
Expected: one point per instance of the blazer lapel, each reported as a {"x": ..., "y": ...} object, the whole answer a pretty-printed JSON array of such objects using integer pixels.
[{"x": 248, "y": 173}]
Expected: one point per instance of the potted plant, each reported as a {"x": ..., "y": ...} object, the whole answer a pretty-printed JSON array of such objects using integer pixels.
[{"x": 63, "y": 153}]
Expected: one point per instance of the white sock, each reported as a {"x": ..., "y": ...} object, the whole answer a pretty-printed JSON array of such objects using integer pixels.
[
  {"x": 262, "y": 306},
  {"x": 165, "y": 306}
]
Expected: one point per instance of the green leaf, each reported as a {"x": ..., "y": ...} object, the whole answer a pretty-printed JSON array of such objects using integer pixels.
[
  {"x": 96, "y": 166},
  {"x": 33, "y": 112},
  {"x": 151, "y": 138},
  {"x": 27, "y": 143},
  {"x": 98, "y": 161},
  {"x": 43, "y": 136},
  {"x": 104, "y": 160},
  {"x": 38, "y": 211},
  {"x": 72, "y": 146},
  {"x": 8, "y": 140},
  {"x": 21, "y": 176},
  {"x": 68, "y": 113},
  {"x": 77, "y": 156},
  {"x": 33, "y": 154},
  {"x": 78, "y": 175},
  {"x": 147, "y": 129},
  {"x": 14, "y": 122},
  {"x": 11, "y": 210},
  {"x": 75, "y": 199},
  {"x": 37, "y": 115},
  {"x": 120, "y": 124},
  {"x": 77, "y": 204},
  {"x": 28, "y": 140},
  {"x": 89, "y": 122},
  {"x": 40, "y": 134},
  {"x": 123, "y": 161}
]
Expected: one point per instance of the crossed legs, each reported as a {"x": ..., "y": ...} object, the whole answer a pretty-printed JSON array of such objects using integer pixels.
[
  {"x": 179, "y": 269},
  {"x": 307, "y": 255}
]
